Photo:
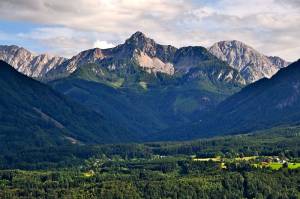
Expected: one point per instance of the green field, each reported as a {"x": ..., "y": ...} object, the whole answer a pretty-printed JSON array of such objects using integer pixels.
[
  {"x": 276, "y": 165},
  {"x": 294, "y": 165}
]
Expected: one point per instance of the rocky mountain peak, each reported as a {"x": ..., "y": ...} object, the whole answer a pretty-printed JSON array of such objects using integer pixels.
[
  {"x": 138, "y": 38},
  {"x": 235, "y": 43},
  {"x": 224, "y": 48},
  {"x": 252, "y": 64},
  {"x": 139, "y": 41},
  {"x": 138, "y": 35}
]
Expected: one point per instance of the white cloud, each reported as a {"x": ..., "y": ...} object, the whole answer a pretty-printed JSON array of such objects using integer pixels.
[
  {"x": 271, "y": 26},
  {"x": 103, "y": 44}
]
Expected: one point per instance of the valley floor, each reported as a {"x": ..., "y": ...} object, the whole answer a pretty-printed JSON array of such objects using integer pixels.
[{"x": 257, "y": 165}]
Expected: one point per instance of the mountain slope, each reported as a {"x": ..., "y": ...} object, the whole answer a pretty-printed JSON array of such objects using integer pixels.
[
  {"x": 251, "y": 64},
  {"x": 269, "y": 102},
  {"x": 27, "y": 63},
  {"x": 263, "y": 104},
  {"x": 34, "y": 115}
]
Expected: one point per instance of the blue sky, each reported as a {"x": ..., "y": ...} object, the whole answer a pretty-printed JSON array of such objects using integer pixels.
[
  {"x": 63, "y": 28},
  {"x": 11, "y": 29}
]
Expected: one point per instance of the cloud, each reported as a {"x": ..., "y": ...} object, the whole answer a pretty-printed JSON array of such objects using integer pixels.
[
  {"x": 292, "y": 3},
  {"x": 271, "y": 26},
  {"x": 103, "y": 44},
  {"x": 94, "y": 15},
  {"x": 265, "y": 25}
]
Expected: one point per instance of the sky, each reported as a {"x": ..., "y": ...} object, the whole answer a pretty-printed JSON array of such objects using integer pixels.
[{"x": 66, "y": 27}]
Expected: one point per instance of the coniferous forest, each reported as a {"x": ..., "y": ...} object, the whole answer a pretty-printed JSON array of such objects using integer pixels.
[{"x": 257, "y": 165}]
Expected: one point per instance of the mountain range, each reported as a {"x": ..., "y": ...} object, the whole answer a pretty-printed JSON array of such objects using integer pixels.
[
  {"x": 149, "y": 55},
  {"x": 143, "y": 91},
  {"x": 126, "y": 83}
]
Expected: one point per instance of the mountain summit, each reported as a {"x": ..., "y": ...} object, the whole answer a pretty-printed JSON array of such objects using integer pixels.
[
  {"x": 251, "y": 64},
  {"x": 139, "y": 40}
]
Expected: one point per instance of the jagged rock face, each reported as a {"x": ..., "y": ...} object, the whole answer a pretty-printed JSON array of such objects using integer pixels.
[
  {"x": 277, "y": 61},
  {"x": 84, "y": 57},
  {"x": 188, "y": 57},
  {"x": 197, "y": 62},
  {"x": 27, "y": 63},
  {"x": 251, "y": 64},
  {"x": 153, "y": 64}
]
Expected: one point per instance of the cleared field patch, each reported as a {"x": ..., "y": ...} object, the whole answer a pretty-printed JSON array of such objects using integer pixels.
[
  {"x": 118, "y": 83},
  {"x": 216, "y": 159},
  {"x": 276, "y": 165},
  {"x": 294, "y": 165},
  {"x": 88, "y": 174},
  {"x": 246, "y": 158}
]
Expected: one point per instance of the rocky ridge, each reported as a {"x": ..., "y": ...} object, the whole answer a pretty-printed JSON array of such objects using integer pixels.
[{"x": 24, "y": 61}]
